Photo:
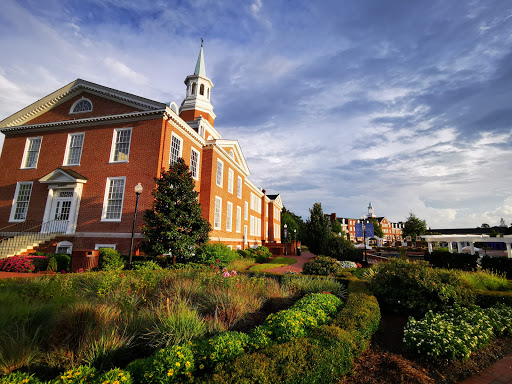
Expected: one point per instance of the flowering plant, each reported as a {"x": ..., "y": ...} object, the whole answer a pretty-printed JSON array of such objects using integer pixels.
[
  {"x": 223, "y": 347},
  {"x": 170, "y": 365},
  {"x": 16, "y": 264},
  {"x": 82, "y": 374},
  {"x": 116, "y": 376},
  {"x": 19, "y": 378}
]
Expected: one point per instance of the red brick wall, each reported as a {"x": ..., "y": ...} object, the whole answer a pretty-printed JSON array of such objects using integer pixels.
[
  {"x": 192, "y": 114},
  {"x": 100, "y": 107}
]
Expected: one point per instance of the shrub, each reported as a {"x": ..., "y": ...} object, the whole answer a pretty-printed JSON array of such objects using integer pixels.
[
  {"x": 63, "y": 261},
  {"x": 116, "y": 376},
  {"x": 138, "y": 368},
  {"x": 486, "y": 280},
  {"x": 223, "y": 347},
  {"x": 323, "y": 266},
  {"x": 20, "y": 264},
  {"x": 337, "y": 247},
  {"x": 262, "y": 254},
  {"x": 148, "y": 265},
  {"x": 498, "y": 264},
  {"x": 445, "y": 259},
  {"x": 487, "y": 299},
  {"x": 170, "y": 365},
  {"x": 18, "y": 378},
  {"x": 82, "y": 374},
  {"x": 314, "y": 284},
  {"x": 215, "y": 254},
  {"x": 52, "y": 265},
  {"x": 110, "y": 260},
  {"x": 40, "y": 262},
  {"x": 414, "y": 288},
  {"x": 245, "y": 253}
]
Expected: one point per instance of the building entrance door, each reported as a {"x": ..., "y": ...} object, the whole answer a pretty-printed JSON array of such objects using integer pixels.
[{"x": 61, "y": 209}]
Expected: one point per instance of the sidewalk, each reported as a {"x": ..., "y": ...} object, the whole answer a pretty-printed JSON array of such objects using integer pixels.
[
  {"x": 499, "y": 373},
  {"x": 297, "y": 267},
  {"x": 7, "y": 275}
]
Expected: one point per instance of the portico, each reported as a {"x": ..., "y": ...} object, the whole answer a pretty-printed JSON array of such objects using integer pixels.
[{"x": 471, "y": 239}]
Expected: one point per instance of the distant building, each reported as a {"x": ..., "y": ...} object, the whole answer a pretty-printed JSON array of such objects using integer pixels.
[{"x": 392, "y": 231}]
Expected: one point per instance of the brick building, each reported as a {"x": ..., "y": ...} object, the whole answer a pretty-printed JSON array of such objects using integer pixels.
[
  {"x": 71, "y": 160},
  {"x": 392, "y": 231}
]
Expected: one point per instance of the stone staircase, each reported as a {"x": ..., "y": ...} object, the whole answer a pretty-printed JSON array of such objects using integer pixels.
[{"x": 20, "y": 244}]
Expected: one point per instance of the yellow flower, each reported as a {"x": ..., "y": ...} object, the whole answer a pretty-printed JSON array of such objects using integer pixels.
[
  {"x": 178, "y": 364},
  {"x": 201, "y": 366},
  {"x": 170, "y": 373},
  {"x": 187, "y": 364}
]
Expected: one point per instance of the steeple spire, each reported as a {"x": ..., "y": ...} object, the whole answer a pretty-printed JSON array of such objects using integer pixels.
[{"x": 200, "y": 68}]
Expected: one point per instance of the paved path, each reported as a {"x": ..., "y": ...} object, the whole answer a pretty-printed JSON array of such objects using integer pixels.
[
  {"x": 7, "y": 275},
  {"x": 499, "y": 373},
  {"x": 297, "y": 267}
]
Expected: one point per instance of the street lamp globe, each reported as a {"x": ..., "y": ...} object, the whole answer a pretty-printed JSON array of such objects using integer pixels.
[{"x": 138, "y": 189}]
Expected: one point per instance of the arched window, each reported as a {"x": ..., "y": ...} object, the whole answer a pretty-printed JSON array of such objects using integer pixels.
[
  {"x": 81, "y": 106},
  {"x": 208, "y": 93},
  {"x": 193, "y": 88},
  {"x": 201, "y": 90}
]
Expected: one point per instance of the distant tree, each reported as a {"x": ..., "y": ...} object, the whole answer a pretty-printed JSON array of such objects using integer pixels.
[
  {"x": 294, "y": 222},
  {"x": 338, "y": 247},
  {"x": 336, "y": 228},
  {"x": 485, "y": 225},
  {"x": 175, "y": 224},
  {"x": 317, "y": 229},
  {"x": 377, "y": 228},
  {"x": 414, "y": 226}
]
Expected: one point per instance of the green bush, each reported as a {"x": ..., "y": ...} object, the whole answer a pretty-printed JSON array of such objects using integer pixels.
[
  {"x": 337, "y": 247},
  {"x": 414, "y": 288},
  {"x": 110, "y": 260},
  {"x": 487, "y": 299},
  {"x": 19, "y": 378},
  {"x": 262, "y": 254},
  {"x": 220, "y": 348},
  {"x": 217, "y": 254},
  {"x": 323, "y": 266},
  {"x": 82, "y": 374},
  {"x": 53, "y": 266},
  {"x": 498, "y": 264},
  {"x": 116, "y": 376},
  {"x": 148, "y": 265},
  {"x": 63, "y": 261},
  {"x": 170, "y": 365},
  {"x": 445, "y": 259},
  {"x": 138, "y": 368}
]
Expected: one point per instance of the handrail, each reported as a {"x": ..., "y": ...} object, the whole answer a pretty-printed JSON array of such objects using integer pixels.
[{"x": 46, "y": 228}]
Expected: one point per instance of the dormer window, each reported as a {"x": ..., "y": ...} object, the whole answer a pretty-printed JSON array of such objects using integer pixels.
[{"x": 81, "y": 106}]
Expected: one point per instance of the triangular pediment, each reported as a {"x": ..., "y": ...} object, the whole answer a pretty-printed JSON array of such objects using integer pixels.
[
  {"x": 232, "y": 146},
  {"x": 60, "y": 175},
  {"x": 74, "y": 90},
  {"x": 276, "y": 199}
]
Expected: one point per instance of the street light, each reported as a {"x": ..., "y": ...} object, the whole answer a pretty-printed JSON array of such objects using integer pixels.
[
  {"x": 138, "y": 190},
  {"x": 295, "y": 234},
  {"x": 363, "y": 225},
  {"x": 285, "y": 239}
]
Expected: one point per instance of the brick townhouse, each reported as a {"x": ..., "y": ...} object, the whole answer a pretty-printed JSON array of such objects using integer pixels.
[
  {"x": 392, "y": 231},
  {"x": 71, "y": 160}
]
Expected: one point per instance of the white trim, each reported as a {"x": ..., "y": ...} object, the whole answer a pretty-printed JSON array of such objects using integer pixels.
[
  {"x": 221, "y": 173},
  {"x": 105, "y": 199},
  {"x": 192, "y": 149},
  {"x": 246, "y": 210},
  {"x": 15, "y": 201},
  {"x": 65, "y": 162},
  {"x": 229, "y": 217},
  {"x": 98, "y": 246},
  {"x": 113, "y": 146},
  {"x": 76, "y": 102},
  {"x": 63, "y": 244},
  {"x": 180, "y": 151},
  {"x": 231, "y": 177},
  {"x": 25, "y": 152},
  {"x": 219, "y": 222}
]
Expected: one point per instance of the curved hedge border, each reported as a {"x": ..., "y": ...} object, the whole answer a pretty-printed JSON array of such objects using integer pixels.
[{"x": 326, "y": 354}]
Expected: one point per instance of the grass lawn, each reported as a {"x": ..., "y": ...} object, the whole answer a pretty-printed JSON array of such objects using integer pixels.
[{"x": 274, "y": 263}]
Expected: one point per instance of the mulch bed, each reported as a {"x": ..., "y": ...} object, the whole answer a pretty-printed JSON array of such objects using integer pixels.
[{"x": 386, "y": 361}]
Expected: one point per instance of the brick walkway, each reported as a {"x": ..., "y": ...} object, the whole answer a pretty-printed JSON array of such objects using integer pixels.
[
  {"x": 7, "y": 275},
  {"x": 297, "y": 267},
  {"x": 499, "y": 373}
]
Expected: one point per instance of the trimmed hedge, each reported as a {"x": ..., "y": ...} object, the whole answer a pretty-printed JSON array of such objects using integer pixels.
[
  {"x": 445, "y": 259},
  {"x": 498, "y": 264},
  {"x": 486, "y": 299},
  {"x": 325, "y": 355}
]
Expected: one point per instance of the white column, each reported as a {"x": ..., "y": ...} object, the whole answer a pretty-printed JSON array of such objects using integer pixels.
[
  {"x": 509, "y": 253},
  {"x": 459, "y": 246},
  {"x": 472, "y": 247},
  {"x": 450, "y": 246},
  {"x": 429, "y": 247}
]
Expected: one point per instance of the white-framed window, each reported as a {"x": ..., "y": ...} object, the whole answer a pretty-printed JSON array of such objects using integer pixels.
[
  {"x": 176, "y": 148},
  {"x": 74, "y": 147},
  {"x": 251, "y": 225},
  {"x": 277, "y": 231},
  {"x": 238, "y": 247},
  {"x": 220, "y": 172},
  {"x": 120, "y": 151},
  {"x": 98, "y": 246},
  {"x": 231, "y": 176},
  {"x": 246, "y": 210},
  {"x": 21, "y": 201},
  {"x": 238, "y": 219},
  {"x": 64, "y": 247},
  {"x": 194, "y": 163},
  {"x": 229, "y": 217},
  {"x": 31, "y": 153},
  {"x": 201, "y": 131},
  {"x": 255, "y": 203},
  {"x": 239, "y": 187},
  {"x": 218, "y": 213},
  {"x": 81, "y": 106},
  {"x": 114, "y": 197}
]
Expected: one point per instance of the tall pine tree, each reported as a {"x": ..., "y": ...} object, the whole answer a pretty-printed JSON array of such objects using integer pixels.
[{"x": 175, "y": 224}]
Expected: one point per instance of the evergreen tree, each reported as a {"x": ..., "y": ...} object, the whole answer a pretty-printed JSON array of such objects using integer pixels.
[
  {"x": 317, "y": 229},
  {"x": 175, "y": 224},
  {"x": 293, "y": 222},
  {"x": 414, "y": 227},
  {"x": 377, "y": 229}
]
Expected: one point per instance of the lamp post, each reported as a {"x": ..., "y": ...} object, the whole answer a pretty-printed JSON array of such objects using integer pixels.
[
  {"x": 285, "y": 239},
  {"x": 138, "y": 190},
  {"x": 363, "y": 225}
]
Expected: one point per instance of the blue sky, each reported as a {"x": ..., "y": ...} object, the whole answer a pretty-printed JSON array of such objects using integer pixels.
[{"x": 406, "y": 104}]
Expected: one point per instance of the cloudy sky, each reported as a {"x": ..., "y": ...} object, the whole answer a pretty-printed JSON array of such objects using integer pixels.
[{"x": 407, "y": 104}]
